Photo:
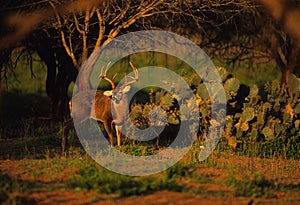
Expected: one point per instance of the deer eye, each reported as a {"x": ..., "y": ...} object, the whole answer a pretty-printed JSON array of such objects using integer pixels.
[{"x": 117, "y": 97}]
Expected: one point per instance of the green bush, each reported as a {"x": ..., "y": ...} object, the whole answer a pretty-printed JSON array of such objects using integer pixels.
[
  {"x": 8, "y": 185},
  {"x": 104, "y": 181},
  {"x": 255, "y": 188}
]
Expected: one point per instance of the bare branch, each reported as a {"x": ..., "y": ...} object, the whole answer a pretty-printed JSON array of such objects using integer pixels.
[{"x": 63, "y": 38}]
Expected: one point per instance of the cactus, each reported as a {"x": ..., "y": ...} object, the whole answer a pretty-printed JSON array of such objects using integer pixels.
[
  {"x": 205, "y": 112},
  {"x": 297, "y": 123},
  {"x": 244, "y": 126},
  {"x": 294, "y": 85},
  {"x": 229, "y": 125},
  {"x": 262, "y": 113},
  {"x": 173, "y": 119},
  {"x": 239, "y": 134},
  {"x": 275, "y": 86},
  {"x": 254, "y": 133},
  {"x": 277, "y": 115},
  {"x": 202, "y": 92},
  {"x": 158, "y": 96},
  {"x": 261, "y": 118},
  {"x": 297, "y": 109},
  {"x": 231, "y": 87},
  {"x": 195, "y": 80},
  {"x": 184, "y": 109},
  {"x": 147, "y": 108},
  {"x": 268, "y": 132},
  {"x": 266, "y": 106},
  {"x": 280, "y": 129},
  {"x": 167, "y": 102},
  {"x": 254, "y": 90},
  {"x": 232, "y": 141},
  {"x": 248, "y": 114},
  {"x": 288, "y": 113},
  {"x": 222, "y": 72}
]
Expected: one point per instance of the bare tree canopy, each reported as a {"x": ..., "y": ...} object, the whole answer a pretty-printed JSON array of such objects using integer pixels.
[{"x": 286, "y": 13}]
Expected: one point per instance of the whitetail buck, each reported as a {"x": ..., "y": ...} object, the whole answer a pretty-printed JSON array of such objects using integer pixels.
[{"x": 109, "y": 107}]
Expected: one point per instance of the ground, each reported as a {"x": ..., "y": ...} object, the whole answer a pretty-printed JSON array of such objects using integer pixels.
[{"x": 204, "y": 182}]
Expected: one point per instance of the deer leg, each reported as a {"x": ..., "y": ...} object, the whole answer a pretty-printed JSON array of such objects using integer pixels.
[
  {"x": 109, "y": 131},
  {"x": 118, "y": 132},
  {"x": 66, "y": 126}
]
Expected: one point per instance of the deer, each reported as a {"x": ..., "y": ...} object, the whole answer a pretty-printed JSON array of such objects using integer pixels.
[{"x": 105, "y": 105}]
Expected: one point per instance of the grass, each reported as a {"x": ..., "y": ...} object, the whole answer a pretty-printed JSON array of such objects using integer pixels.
[
  {"x": 10, "y": 185},
  {"x": 254, "y": 188},
  {"x": 258, "y": 74},
  {"x": 93, "y": 177},
  {"x": 287, "y": 147},
  {"x": 239, "y": 176}
]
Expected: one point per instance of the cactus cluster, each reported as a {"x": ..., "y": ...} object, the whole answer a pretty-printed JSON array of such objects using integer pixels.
[
  {"x": 266, "y": 114},
  {"x": 254, "y": 113}
]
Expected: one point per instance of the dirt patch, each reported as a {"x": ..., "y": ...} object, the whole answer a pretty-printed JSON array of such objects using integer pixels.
[{"x": 206, "y": 185}]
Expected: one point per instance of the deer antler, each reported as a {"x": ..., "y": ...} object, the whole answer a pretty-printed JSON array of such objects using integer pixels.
[
  {"x": 104, "y": 76},
  {"x": 134, "y": 79}
]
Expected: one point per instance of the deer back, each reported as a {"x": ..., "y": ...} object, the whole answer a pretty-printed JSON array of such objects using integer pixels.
[{"x": 101, "y": 108}]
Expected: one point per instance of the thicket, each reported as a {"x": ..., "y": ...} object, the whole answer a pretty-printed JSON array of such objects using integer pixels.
[{"x": 260, "y": 121}]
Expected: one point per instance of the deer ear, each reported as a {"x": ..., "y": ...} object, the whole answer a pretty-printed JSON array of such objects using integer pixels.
[
  {"x": 108, "y": 93},
  {"x": 126, "y": 89}
]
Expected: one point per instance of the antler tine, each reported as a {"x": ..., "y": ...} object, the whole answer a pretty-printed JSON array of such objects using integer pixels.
[
  {"x": 113, "y": 79},
  {"x": 136, "y": 74},
  {"x": 134, "y": 79},
  {"x": 104, "y": 76},
  {"x": 101, "y": 73}
]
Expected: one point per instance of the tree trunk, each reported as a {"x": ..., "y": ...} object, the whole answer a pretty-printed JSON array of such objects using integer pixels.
[
  {"x": 85, "y": 71},
  {"x": 290, "y": 67}
]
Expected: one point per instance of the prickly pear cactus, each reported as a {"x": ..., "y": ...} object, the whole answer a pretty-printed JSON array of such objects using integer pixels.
[
  {"x": 222, "y": 72},
  {"x": 268, "y": 132},
  {"x": 254, "y": 133},
  {"x": 288, "y": 113},
  {"x": 254, "y": 90},
  {"x": 231, "y": 87},
  {"x": 294, "y": 85},
  {"x": 202, "y": 92},
  {"x": 158, "y": 96},
  {"x": 297, "y": 109},
  {"x": 275, "y": 86},
  {"x": 270, "y": 115},
  {"x": 195, "y": 80},
  {"x": 266, "y": 106},
  {"x": 248, "y": 114},
  {"x": 167, "y": 102},
  {"x": 297, "y": 123}
]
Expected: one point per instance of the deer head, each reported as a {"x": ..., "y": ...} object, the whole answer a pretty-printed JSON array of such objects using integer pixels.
[{"x": 116, "y": 94}]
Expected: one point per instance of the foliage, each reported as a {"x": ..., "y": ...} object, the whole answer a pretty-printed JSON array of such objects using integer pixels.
[
  {"x": 8, "y": 185},
  {"x": 266, "y": 115},
  {"x": 255, "y": 188},
  {"x": 178, "y": 170},
  {"x": 103, "y": 181},
  {"x": 262, "y": 114}
]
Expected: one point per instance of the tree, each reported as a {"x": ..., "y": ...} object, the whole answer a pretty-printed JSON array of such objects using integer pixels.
[
  {"x": 286, "y": 13},
  {"x": 82, "y": 33},
  {"x": 255, "y": 38}
]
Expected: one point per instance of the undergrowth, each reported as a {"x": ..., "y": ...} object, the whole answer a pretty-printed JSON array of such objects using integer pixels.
[{"x": 93, "y": 177}]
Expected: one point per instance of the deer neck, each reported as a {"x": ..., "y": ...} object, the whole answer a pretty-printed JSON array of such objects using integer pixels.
[{"x": 120, "y": 110}]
